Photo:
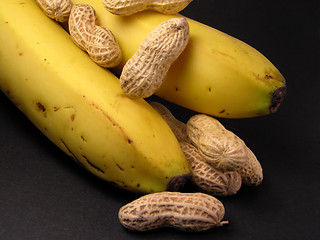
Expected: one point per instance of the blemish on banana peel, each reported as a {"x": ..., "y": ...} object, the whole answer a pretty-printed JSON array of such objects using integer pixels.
[
  {"x": 118, "y": 166},
  {"x": 83, "y": 138},
  {"x": 268, "y": 76},
  {"x": 91, "y": 164},
  {"x": 72, "y": 117},
  {"x": 222, "y": 54},
  {"x": 41, "y": 108},
  {"x": 224, "y": 112},
  {"x": 114, "y": 123},
  {"x": 71, "y": 154}
]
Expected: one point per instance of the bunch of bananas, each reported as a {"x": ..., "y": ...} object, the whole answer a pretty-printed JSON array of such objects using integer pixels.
[{"x": 81, "y": 108}]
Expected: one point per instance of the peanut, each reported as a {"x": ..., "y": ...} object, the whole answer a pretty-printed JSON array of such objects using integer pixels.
[
  {"x": 251, "y": 173},
  {"x": 183, "y": 211},
  {"x": 145, "y": 71},
  {"x": 97, "y": 41},
  {"x": 178, "y": 128},
  {"x": 58, "y": 10},
  {"x": 129, "y": 7},
  {"x": 220, "y": 147},
  {"x": 207, "y": 178}
]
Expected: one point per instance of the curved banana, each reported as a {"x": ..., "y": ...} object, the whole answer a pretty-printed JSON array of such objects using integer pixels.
[
  {"x": 216, "y": 74},
  {"x": 80, "y": 106}
]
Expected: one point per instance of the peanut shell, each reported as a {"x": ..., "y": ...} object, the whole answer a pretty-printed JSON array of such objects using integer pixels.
[
  {"x": 129, "y": 7},
  {"x": 208, "y": 178},
  {"x": 251, "y": 173},
  {"x": 217, "y": 145},
  {"x": 97, "y": 41},
  {"x": 183, "y": 211},
  {"x": 145, "y": 71},
  {"x": 58, "y": 10}
]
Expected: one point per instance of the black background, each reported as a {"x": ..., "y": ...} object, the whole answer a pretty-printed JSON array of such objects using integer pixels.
[{"x": 45, "y": 195}]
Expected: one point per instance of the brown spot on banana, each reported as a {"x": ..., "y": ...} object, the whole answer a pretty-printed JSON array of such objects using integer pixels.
[
  {"x": 40, "y": 107},
  {"x": 67, "y": 150},
  {"x": 113, "y": 122},
  {"x": 92, "y": 165},
  {"x": 118, "y": 166}
]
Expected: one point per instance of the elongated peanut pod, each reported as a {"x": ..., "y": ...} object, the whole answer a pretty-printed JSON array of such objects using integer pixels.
[
  {"x": 178, "y": 128},
  {"x": 97, "y": 41},
  {"x": 183, "y": 211},
  {"x": 58, "y": 10},
  {"x": 129, "y": 7},
  {"x": 217, "y": 145},
  {"x": 145, "y": 71},
  {"x": 208, "y": 178}
]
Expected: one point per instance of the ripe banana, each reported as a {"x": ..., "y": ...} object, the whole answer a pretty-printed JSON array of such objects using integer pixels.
[
  {"x": 216, "y": 74},
  {"x": 80, "y": 106}
]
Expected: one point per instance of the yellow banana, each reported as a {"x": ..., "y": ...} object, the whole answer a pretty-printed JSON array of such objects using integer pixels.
[
  {"x": 80, "y": 106},
  {"x": 216, "y": 74}
]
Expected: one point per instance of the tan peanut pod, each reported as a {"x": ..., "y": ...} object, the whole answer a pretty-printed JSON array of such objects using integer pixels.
[
  {"x": 97, "y": 41},
  {"x": 129, "y": 7},
  {"x": 59, "y": 10},
  {"x": 217, "y": 145},
  {"x": 251, "y": 173},
  {"x": 145, "y": 71},
  {"x": 178, "y": 128},
  {"x": 207, "y": 178},
  {"x": 183, "y": 211}
]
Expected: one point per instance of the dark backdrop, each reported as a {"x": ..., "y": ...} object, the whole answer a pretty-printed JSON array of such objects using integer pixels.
[{"x": 45, "y": 195}]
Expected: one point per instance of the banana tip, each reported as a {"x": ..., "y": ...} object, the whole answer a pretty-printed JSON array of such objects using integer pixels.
[
  {"x": 177, "y": 182},
  {"x": 277, "y": 98}
]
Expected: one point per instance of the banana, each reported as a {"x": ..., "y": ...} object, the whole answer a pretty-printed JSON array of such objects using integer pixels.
[
  {"x": 217, "y": 74},
  {"x": 80, "y": 106}
]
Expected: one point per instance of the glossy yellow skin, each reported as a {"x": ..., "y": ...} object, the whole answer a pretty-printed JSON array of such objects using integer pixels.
[
  {"x": 80, "y": 106},
  {"x": 216, "y": 74}
]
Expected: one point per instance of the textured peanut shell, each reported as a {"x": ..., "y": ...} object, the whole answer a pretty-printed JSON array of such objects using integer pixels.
[
  {"x": 217, "y": 145},
  {"x": 129, "y": 7},
  {"x": 145, "y": 71},
  {"x": 58, "y": 10},
  {"x": 183, "y": 211},
  {"x": 208, "y": 178},
  {"x": 178, "y": 128},
  {"x": 251, "y": 173},
  {"x": 97, "y": 41}
]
